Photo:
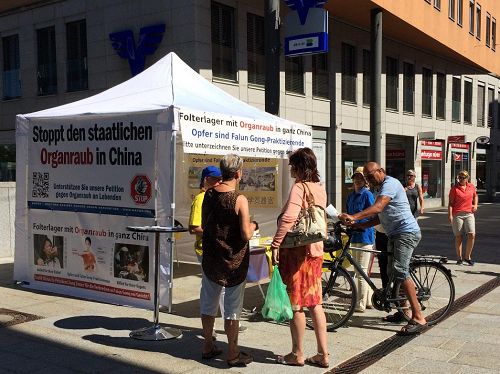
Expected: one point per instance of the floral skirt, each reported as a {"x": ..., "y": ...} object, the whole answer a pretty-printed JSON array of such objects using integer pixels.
[{"x": 301, "y": 274}]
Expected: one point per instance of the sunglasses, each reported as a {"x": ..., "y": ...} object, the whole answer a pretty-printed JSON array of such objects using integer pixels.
[
  {"x": 410, "y": 175},
  {"x": 462, "y": 177},
  {"x": 369, "y": 174}
]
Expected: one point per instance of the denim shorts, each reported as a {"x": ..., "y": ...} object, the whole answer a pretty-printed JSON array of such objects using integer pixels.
[
  {"x": 400, "y": 247},
  {"x": 210, "y": 295}
]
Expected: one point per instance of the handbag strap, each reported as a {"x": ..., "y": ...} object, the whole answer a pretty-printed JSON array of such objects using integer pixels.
[{"x": 309, "y": 197}]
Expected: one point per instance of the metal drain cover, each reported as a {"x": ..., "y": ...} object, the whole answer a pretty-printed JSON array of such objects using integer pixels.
[{"x": 11, "y": 317}]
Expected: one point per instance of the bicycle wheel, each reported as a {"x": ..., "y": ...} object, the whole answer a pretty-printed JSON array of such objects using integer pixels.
[
  {"x": 339, "y": 297},
  {"x": 435, "y": 290}
]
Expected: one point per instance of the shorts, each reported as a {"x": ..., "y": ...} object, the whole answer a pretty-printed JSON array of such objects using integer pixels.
[
  {"x": 400, "y": 247},
  {"x": 463, "y": 223},
  {"x": 210, "y": 295}
]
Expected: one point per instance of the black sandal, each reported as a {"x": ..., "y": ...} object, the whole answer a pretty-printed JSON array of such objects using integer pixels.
[
  {"x": 213, "y": 353},
  {"x": 394, "y": 318},
  {"x": 413, "y": 327},
  {"x": 242, "y": 360}
]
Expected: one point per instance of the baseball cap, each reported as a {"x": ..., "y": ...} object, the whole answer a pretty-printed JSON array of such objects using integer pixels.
[
  {"x": 210, "y": 171},
  {"x": 359, "y": 170}
]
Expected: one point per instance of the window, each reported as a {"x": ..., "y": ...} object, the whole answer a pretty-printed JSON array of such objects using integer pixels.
[
  {"x": 480, "y": 105},
  {"x": 223, "y": 42},
  {"x": 367, "y": 70},
  {"x": 320, "y": 75},
  {"x": 348, "y": 73},
  {"x": 471, "y": 17},
  {"x": 437, "y": 4},
  {"x": 451, "y": 9},
  {"x": 491, "y": 106},
  {"x": 294, "y": 74},
  {"x": 427, "y": 92},
  {"x": 256, "y": 59},
  {"x": 11, "y": 64},
  {"x": 468, "y": 102},
  {"x": 460, "y": 12},
  {"x": 7, "y": 162},
  {"x": 456, "y": 99},
  {"x": 493, "y": 33},
  {"x": 76, "y": 65},
  {"x": 440, "y": 96},
  {"x": 392, "y": 84},
  {"x": 47, "y": 68},
  {"x": 488, "y": 29},
  {"x": 478, "y": 21},
  {"x": 408, "y": 88}
]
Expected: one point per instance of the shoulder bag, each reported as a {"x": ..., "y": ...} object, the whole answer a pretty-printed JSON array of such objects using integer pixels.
[{"x": 310, "y": 226}]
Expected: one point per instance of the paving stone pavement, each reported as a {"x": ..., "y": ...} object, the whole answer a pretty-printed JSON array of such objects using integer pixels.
[{"x": 81, "y": 336}]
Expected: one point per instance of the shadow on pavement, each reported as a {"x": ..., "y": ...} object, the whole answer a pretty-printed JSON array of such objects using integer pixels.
[
  {"x": 489, "y": 273},
  {"x": 96, "y": 322},
  {"x": 187, "y": 347},
  {"x": 36, "y": 354}
]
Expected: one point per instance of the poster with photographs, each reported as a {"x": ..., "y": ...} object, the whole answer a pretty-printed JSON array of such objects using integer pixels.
[
  {"x": 93, "y": 255},
  {"x": 258, "y": 182}
]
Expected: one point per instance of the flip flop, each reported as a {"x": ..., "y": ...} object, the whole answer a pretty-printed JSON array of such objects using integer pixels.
[
  {"x": 413, "y": 327},
  {"x": 317, "y": 362},
  {"x": 288, "y": 360},
  {"x": 242, "y": 360},
  {"x": 213, "y": 353},
  {"x": 394, "y": 318}
]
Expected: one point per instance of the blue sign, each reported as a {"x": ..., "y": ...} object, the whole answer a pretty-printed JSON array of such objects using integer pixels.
[
  {"x": 124, "y": 45},
  {"x": 306, "y": 43},
  {"x": 302, "y": 7},
  {"x": 306, "y": 32}
]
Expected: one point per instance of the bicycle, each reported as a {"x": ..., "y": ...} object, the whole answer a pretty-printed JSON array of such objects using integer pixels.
[{"x": 434, "y": 285}]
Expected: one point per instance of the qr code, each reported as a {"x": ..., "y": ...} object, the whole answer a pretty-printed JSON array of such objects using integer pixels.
[{"x": 40, "y": 185}]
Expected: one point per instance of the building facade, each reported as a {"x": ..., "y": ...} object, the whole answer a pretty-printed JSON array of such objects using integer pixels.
[{"x": 440, "y": 77}]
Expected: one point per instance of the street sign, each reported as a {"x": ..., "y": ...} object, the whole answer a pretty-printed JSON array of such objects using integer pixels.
[
  {"x": 456, "y": 139},
  {"x": 482, "y": 140},
  {"x": 308, "y": 37}
]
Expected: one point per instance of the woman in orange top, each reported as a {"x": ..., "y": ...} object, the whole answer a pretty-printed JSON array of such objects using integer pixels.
[
  {"x": 462, "y": 205},
  {"x": 300, "y": 267}
]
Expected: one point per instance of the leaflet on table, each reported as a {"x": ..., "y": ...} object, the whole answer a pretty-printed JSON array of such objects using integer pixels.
[{"x": 92, "y": 256}]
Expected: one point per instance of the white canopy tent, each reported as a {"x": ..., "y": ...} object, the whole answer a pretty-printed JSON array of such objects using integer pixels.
[{"x": 95, "y": 166}]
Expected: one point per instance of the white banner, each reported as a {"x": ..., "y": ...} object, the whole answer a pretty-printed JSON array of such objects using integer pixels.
[
  {"x": 92, "y": 256},
  {"x": 103, "y": 165},
  {"x": 88, "y": 179},
  {"x": 219, "y": 134}
]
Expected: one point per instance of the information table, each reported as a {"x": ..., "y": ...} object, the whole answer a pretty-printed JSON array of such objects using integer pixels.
[{"x": 157, "y": 332}]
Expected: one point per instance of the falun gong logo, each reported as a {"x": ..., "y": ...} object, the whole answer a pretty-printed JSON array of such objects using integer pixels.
[{"x": 140, "y": 189}]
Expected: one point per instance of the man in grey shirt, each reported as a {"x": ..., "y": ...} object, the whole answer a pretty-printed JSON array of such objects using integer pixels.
[{"x": 392, "y": 210}]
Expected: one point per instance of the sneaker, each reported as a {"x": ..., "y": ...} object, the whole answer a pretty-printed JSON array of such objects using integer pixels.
[
  {"x": 459, "y": 261},
  {"x": 242, "y": 328},
  {"x": 469, "y": 262}
]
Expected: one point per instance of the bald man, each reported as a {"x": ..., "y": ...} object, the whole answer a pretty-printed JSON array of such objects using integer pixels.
[{"x": 392, "y": 210}]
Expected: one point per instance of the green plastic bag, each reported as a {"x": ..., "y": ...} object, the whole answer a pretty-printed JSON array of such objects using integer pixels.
[{"x": 277, "y": 304}]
